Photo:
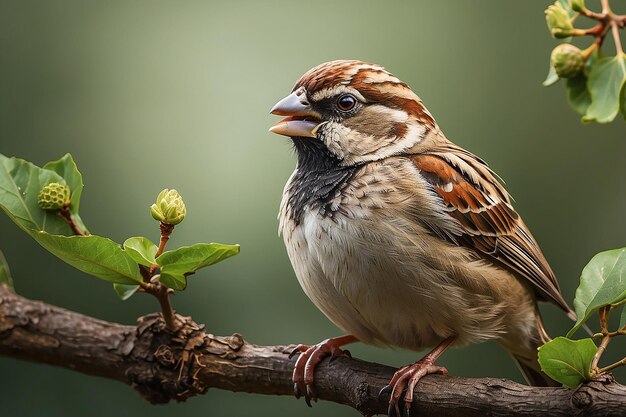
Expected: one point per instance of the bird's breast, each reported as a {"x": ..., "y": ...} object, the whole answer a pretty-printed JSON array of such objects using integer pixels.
[{"x": 377, "y": 272}]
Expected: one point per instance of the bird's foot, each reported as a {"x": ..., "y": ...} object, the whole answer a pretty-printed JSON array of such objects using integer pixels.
[
  {"x": 310, "y": 357},
  {"x": 405, "y": 379}
]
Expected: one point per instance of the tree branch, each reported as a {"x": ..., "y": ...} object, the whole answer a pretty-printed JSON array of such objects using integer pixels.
[{"x": 163, "y": 365}]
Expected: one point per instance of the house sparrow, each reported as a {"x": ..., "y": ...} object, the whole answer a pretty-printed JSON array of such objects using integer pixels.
[{"x": 399, "y": 236}]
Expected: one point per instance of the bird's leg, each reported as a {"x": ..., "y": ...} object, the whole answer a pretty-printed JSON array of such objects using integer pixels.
[
  {"x": 310, "y": 357},
  {"x": 408, "y": 376}
]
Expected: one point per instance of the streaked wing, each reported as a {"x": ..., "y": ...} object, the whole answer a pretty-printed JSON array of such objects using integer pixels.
[{"x": 476, "y": 199}]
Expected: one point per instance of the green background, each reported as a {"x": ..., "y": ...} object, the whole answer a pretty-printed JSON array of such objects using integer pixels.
[{"x": 152, "y": 94}]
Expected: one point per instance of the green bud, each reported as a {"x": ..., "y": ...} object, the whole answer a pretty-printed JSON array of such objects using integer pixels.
[
  {"x": 567, "y": 60},
  {"x": 54, "y": 196},
  {"x": 169, "y": 207},
  {"x": 578, "y": 5},
  {"x": 558, "y": 21}
]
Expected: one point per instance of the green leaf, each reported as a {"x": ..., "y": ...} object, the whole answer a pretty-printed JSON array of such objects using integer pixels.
[
  {"x": 5, "y": 273},
  {"x": 602, "y": 282},
  {"x": 606, "y": 79},
  {"x": 551, "y": 78},
  {"x": 125, "y": 291},
  {"x": 177, "y": 264},
  {"x": 141, "y": 249},
  {"x": 94, "y": 255},
  {"x": 66, "y": 168},
  {"x": 577, "y": 93},
  {"x": 622, "y": 318},
  {"x": 623, "y": 101},
  {"x": 20, "y": 183},
  {"x": 567, "y": 361},
  {"x": 175, "y": 282}
]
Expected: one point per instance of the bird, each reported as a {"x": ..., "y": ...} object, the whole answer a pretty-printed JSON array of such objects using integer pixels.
[{"x": 399, "y": 236}]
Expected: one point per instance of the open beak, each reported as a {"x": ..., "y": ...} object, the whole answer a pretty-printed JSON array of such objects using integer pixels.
[{"x": 301, "y": 119}]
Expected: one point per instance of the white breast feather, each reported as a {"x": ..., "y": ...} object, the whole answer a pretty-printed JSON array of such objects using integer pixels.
[{"x": 378, "y": 274}]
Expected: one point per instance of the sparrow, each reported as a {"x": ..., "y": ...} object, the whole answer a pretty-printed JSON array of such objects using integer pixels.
[{"x": 399, "y": 236}]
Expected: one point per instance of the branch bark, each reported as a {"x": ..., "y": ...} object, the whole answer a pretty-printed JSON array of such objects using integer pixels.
[{"x": 163, "y": 365}]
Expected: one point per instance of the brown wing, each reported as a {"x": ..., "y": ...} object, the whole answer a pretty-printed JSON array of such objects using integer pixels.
[{"x": 477, "y": 200}]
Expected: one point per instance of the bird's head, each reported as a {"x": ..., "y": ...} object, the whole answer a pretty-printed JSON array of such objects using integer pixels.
[{"x": 358, "y": 111}]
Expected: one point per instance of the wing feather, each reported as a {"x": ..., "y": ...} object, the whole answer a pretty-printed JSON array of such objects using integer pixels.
[{"x": 474, "y": 197}]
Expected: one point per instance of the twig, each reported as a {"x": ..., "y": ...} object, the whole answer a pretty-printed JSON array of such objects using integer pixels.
[
  {"x": 618, "y": 42},
  {"x": 160, "y": 291},
  {"x": 596, "y": 358},
  {"x": 162, "y": 294},
  {"x": 612, "y": 366}
]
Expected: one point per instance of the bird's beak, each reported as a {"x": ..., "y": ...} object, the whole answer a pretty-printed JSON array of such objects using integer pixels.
[{"x": 301, "y": 119}]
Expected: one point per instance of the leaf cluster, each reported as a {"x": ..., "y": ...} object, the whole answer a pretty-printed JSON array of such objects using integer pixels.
[
  {"x": 602, "y": 289},
  {"x": 20, "y": 185},
  {"x": 597, "y": 91}
]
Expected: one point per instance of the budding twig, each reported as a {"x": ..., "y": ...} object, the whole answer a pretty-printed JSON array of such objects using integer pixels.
[{"x": 606, "y": 338}]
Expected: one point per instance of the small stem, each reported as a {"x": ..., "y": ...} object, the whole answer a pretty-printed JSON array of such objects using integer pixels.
[
  {"x": 587, "y": 52},
  {"x": 606, "y": 338},
  {"x": 595, "y": 30},
  {"x": 621, "y": 331},
  {"x": 606, "y": 9},
  {"x": 67, "y": 216},
  {"x": 580, "y": 32},
  {"x": 145, "y": 273},
  {"x": 593, "y": 15},
  {"x": 612, "y": 366},
  {"x": 166, "y": 231},
  {"x": 596, "y": 358},
  {"x": 619, "y": 303},
  {"x": 604, "y": 319},
  {"x": 166, "y": 308},
  {"x": 162, "y": 293},
  {"x": 618, "y": 42}
]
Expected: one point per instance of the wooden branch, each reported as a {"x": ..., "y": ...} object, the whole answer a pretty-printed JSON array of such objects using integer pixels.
[{"x": 163, "y": 365}]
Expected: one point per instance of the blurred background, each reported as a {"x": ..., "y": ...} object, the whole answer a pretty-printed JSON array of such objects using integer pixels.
[{"x": 155, "y": 94}]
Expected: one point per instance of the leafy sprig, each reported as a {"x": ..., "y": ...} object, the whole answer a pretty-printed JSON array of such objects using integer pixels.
[
  {"x": 595, "y": 83},
  {"x": 602, "y": 290},
  {"x": 44, "y": 203}
]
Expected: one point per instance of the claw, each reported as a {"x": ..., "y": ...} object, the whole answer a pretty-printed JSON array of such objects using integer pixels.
[
  {"x": 347, "y": 353},
  {"x": 334, "y": 358},
  {"x": 391, "y": 412},
  {"x": 385, "y": 390},
  {"x": 297, "y": 349},
  {"x": 404, "y": 380},
  {"x": 311, "y": 392},
  {"x": 309, "y": 358}
]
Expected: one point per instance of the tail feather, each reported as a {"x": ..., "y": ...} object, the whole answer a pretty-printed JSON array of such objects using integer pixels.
[
  {"x": 525, "y": 356},
  {"x": 532, "y": 374}
]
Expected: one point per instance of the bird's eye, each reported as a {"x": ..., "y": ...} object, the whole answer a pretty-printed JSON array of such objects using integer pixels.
[{"x": 346, "y": 102}]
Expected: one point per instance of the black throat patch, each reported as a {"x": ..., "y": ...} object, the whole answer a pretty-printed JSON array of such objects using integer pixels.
[{"x": 318, "y": 180}]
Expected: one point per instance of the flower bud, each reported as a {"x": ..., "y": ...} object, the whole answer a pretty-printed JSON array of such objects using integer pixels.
[
  {"x": 169, "y": 207},
  {"x": 558, "y": 21},
  {"x": 567, "y": 60},
  {"x": 54, "y": 196},
  {"x": 578, "y": 5}
]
